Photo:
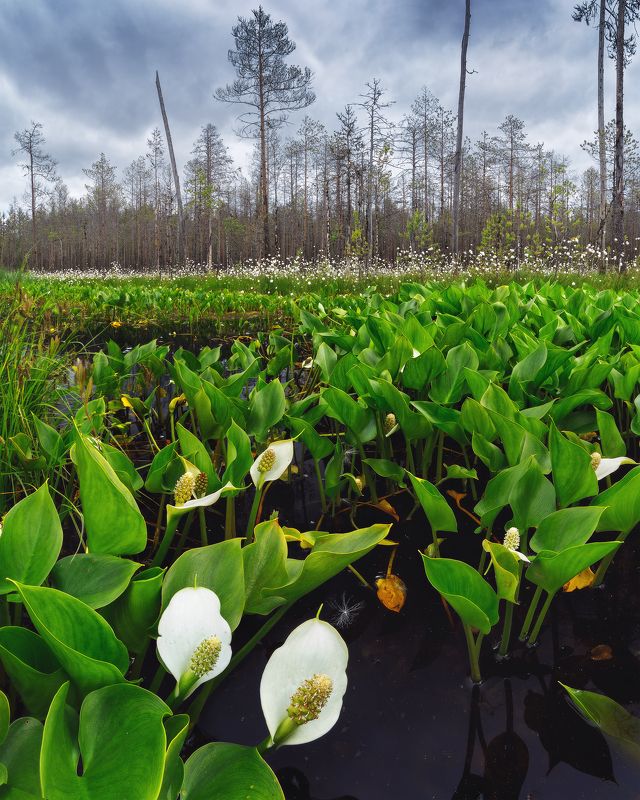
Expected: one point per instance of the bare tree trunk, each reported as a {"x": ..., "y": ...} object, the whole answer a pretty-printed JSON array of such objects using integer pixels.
[
  {"x": 618, "y": 173},
  {"x": 458, "y": 156},
  {"x": 176, "y": 177},
  {"x": 33, "y": 206},
  {"x": 601, "y": 137}
]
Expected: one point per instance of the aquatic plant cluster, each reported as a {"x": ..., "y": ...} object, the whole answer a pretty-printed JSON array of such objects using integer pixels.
[{"x": 139, "y": 568}]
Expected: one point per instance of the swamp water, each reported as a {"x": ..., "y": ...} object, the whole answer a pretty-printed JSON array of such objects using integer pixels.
[{"x": 413, "y": 726}]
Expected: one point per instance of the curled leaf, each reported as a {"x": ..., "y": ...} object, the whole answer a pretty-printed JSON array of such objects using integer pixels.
[{"x": 392, "y": 592}]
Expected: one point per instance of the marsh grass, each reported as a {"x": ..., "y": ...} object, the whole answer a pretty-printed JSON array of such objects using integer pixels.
[{"x": 31, "y": 374}]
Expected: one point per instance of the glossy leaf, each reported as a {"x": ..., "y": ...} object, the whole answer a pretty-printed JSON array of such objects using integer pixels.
[
  {"x": 467, "y": 592},
  {"x": 94, "y": 578},
  {"x": 229, "y": 771},
  {"x": 31, "y": 540}
]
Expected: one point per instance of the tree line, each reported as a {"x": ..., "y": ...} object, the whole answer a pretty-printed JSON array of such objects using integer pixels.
[{"x": 361, "y": 188}]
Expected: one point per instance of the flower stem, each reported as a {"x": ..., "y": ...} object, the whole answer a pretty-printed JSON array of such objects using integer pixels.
[
  {"x": 230, "y": 517},
  {"x": 506, "y": 629},
  {"x": 543, "y": 613},
  {"x": 323, "y": 499},
  {"x": 473, "y": 649},
  {"x": 532, "y": 610},
  {"x": 203, "y": 527},
  {"x": 606, "y": 561},
  {"x": 165, "y": 544},
  {"x": 436, "y": 543},
  {"x": 254, "y": 513}
]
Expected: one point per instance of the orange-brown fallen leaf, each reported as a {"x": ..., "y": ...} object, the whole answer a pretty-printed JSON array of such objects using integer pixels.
[
  {"x": 392, "y": 592},
  {"x": 458, "y": 497},
  {"x": 582, "y": 580},
  {"x": 386, "y": 507},
  {"x": 601, "y": 652}
]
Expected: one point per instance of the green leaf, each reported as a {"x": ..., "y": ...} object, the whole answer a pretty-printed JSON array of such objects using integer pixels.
[
  {"x": 78, "y": 636},
  {"x": 160, "y": 478},
  {"x": 506, "y": 568},
  {"x": 523, "y": 487},
  {"x": 229, "y": 771},
  {"x": 566, "y": 528},
  {"x": 120, "y": 738},
  {"x": 239, "y": 457},
  {"x": 465, "y": 590},
  {"x": 177, "y": 728},
  {"x": 331, "y": 553},
  {"x": 94, "y": 578},
  {"x": 265, "y": 562},
  {"x": 31, "y": 540},
  {"x": 113, "y": 521},
  {"x": 195, "y": 452},
  {"x": 551, "y": 570},
  {"x": 32, "y": 668},
  {"x": 622, "y": 503},
  {"x": 573, "y": 476},
  {"x": 20, "y": 755},
  {"x": 387, "y": 469},
  {"x": 612, "y": 443},
  {"x": 5, "y": 716},
  {"x": 610, "y": 717},
  {"x": 134, "y": 613},
  {"x": 218, "y": 567},
  {"x": 266, "y": 408},
  {"x": 50, "y": 441},
  {"x": 435, "y": 507},
  {"x": 359, "y": 420}
]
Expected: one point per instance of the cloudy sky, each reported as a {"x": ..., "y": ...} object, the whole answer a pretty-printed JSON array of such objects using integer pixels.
[{"x": 85, "y": 70}]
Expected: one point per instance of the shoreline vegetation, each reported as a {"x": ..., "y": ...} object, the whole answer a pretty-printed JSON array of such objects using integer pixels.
[{"x": 260, "y": 294}]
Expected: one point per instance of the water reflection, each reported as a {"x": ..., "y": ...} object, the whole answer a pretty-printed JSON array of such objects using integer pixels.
[{"x": 296, "y": 786}]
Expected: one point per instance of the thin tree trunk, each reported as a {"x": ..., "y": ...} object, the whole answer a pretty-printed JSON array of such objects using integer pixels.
[
  {"x": 618, "y": 174},
  {"x": 176, "y": 177},
  {"x": 601, "y": 137},
  {"x": 33, "y": 204},
  {"x": 458, "y": 156}
]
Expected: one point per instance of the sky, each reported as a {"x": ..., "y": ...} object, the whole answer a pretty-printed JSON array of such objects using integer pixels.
[{"x": 85, "y": 69}]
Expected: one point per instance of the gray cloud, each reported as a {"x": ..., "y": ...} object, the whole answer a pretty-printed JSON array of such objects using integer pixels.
[{"x": 85, "y": 69}]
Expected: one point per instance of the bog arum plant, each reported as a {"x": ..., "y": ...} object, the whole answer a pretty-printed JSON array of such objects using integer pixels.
[
  {"x": 303, "y": 685},
  {"x": 184, "y": 503},
  {"x": 272, "y": 463},
  {"x": 269, "y": 466},
  {"x": 512, "y": 543},
  {"x": 194, "y": 640},
  {"x": 607, "y": 466}
]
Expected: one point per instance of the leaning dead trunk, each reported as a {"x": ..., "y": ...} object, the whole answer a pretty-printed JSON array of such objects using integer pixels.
[
  {"x": 176, "y": 177},
  {"x": 458, "y": 156}
]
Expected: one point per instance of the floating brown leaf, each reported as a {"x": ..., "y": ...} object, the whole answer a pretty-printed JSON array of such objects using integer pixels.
[{"x": 392, "y": 592}]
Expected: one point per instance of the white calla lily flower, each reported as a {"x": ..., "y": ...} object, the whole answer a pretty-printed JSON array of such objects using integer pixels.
[
  {"x": 512, "y": 543},
  {"x": 272, "y": 463},
  {"x": 607, "y": 466},
  {"x": 303, "y": 684},
  {"x": 208, "y": 499},
  {"x": 194, "y": 639}
]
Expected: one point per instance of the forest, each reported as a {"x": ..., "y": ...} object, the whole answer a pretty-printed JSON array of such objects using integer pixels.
[{"x": 361, "y": 188}]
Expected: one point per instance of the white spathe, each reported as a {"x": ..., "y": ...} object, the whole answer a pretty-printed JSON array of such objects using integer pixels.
[
  {"x": 283, "y": 452},
  {"x": 606, "y": 466},
  {"x": 192, "y": 615},
  {"x": 313, "y": 648},
  {"x": 208, "y": 499}
]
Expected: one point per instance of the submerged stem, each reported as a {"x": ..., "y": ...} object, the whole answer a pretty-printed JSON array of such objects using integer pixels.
[
  {"x": 543, "y": 613},
  {"x": 473, "y": 649},
  {"x": 532, "y": 610}
]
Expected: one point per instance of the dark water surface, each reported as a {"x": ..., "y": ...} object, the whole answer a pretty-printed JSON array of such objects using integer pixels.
[{"x": 413, "y": 726}]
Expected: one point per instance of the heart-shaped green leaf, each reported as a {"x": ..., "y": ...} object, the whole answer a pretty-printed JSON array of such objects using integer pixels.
[
  {"x": 465, "y": 590},
  {"x": 229, "y": 771},
  {"x": 31, "y": 540}
]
